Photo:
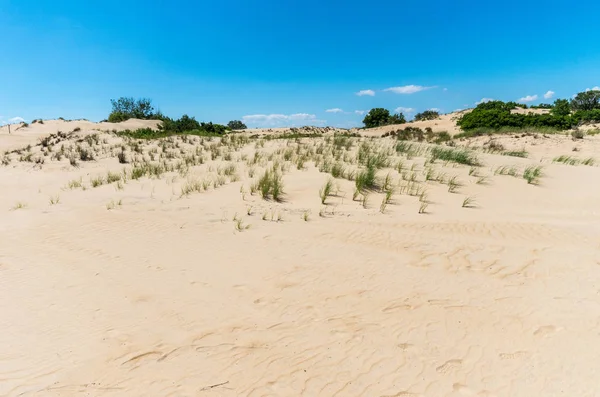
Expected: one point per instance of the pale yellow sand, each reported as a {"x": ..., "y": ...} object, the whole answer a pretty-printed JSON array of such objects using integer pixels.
[{"x": 163, "y": 296}]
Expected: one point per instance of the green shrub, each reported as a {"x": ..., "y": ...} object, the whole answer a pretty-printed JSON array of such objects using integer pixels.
[
  {"x": 379, "y": 116},
  {"x": 496, "y": 115},
  {"x": 236, "y": 125},
  {"x": 427, "y": 115}
]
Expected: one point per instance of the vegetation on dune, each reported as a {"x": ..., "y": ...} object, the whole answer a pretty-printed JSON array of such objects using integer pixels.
[
  {"x": 126, "y": 108},
  {"x": 427, "y": 115},
  {"x": 496, "y": 116},
  {"x": 236, "y": 125},
  {"x": 378, "y": 117}
]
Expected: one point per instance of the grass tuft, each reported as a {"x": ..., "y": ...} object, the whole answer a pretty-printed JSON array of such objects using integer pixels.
[
  {"x": 532, "y": 174},
  {"x": 326, "y": 190}
]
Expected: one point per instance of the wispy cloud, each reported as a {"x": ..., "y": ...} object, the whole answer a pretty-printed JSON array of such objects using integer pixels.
[
  {"x": 528, "y": 98},
  {"x": 549, "y": 94},
  {"x": 16, "y": 120},
  {"x": 361, "y": 112},
  {"x": 596, "y": 88},
  {"x": 366, "y": 92},
  {"x": 435, "y": 109},
  {"x": 335, "y": 110},
  {"x": 408, "y": 89},
  {"x": 484, "y": 100},
  {"x": 281, "y": 120},
  {"x": 402, "y": 109}
]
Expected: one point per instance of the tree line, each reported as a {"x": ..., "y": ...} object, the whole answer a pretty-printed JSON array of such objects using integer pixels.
[
  {"x": 563, "y": 114},
  {"x": 126, "y": 108}
]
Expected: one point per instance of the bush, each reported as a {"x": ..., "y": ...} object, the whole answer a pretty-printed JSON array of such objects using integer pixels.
[
  {"x": 236, "y": 125},
  {"x": 379, "y": 116},
  {"x": 496, "y": 115},
  {"x": 130, "y": 108},
  {"x": 427, "y": 115},
  {"x": 561, "y": 108}
]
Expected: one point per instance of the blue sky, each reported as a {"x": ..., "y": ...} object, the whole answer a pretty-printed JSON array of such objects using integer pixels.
[{"x": 276, "y": 63}]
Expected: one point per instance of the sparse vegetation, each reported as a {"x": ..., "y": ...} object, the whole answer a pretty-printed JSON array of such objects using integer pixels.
[
  {"x": 270, "y": 185},
  {"x": 326, "y": 191},
  {"x": 532, "y": 174}
]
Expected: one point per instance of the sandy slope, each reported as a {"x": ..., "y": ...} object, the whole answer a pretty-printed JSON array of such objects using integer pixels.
[{"x": 162, "y": 296}]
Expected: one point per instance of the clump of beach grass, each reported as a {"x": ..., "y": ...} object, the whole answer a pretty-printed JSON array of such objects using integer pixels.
[{"x": 326, "y": 191}]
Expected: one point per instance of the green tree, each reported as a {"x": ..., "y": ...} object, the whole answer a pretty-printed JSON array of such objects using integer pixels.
[
  {"x": 561, "y": 108},
  {"x": 397, "y": 118},
  {"x": 236, "y": 125},
  {"x": 380, "y": 116},
  {"x": 587, "y": 100},
  {"x": 126, "y": 108},
  {"x": 427, "y": 115},
  {"x": 376, "y": 117}
]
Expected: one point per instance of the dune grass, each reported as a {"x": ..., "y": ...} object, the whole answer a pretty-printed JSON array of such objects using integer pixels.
[
  {"x": 270, "y": 185},
  {"x": 570, "y": 160},
  {"x": 459, "y": 156},
  {"x": 326, "y": 191},
  {"x": 532, "y": 174},
  {"x": 468, "y": 202}
]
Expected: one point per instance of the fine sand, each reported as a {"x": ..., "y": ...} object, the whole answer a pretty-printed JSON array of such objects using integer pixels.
[{"x": 183, "y": 281}]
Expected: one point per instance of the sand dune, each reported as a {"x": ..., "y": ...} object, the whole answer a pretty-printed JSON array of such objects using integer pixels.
[{"x": 156, "y": 286}]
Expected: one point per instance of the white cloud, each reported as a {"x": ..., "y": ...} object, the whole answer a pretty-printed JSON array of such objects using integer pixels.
[
  {"x": 483, "y": 100},
  {"x": 434, "y": 109},
  {"x": 361, "y": 112},
  {"x": 596, "y": 88},
  {"x": 16, "y": 120},
  {"x": 549, "y": 94},
  {"x": 280, "y": 120},
  {"x": 366, "y": 92},
  {"x": 334, "y": 110},
  {"x": 402, "y": 109},
  {"x": 407, "y": 89},
  {"x": 528, "y": 98}
]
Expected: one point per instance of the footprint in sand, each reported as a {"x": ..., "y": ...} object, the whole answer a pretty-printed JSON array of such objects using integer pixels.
[
  {"x": 449, "y": 366},
  {"x": 545, "y": 330}
]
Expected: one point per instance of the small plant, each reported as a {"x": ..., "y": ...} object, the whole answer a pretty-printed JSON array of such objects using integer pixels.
[
  {"x": 516, "y": 153},
  {"x": 468, "y": 202},
  {"x": 305, "y": 216},
  {"x": 20, "y": 205},
  {"x": 122, "y": 156},
  {"x": 577, "y": 134},
  {"x": 365, "y": 200},
  {"x": 113, "y": 177},
  {"x": 98, "y": 181},
  {"x": 239, "y": 225},
  {"x": 423, "y": 207},
  {"x": 270, "y": 185},
  {"x": 54, "y": 199},
  {"x": 74, "y": 184},
  {"x": 532, "y": 174},
  {"x": 453, "y": 185},
  {"x": 326, "y": 191},
  {"x": 386, "y": 200}
]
